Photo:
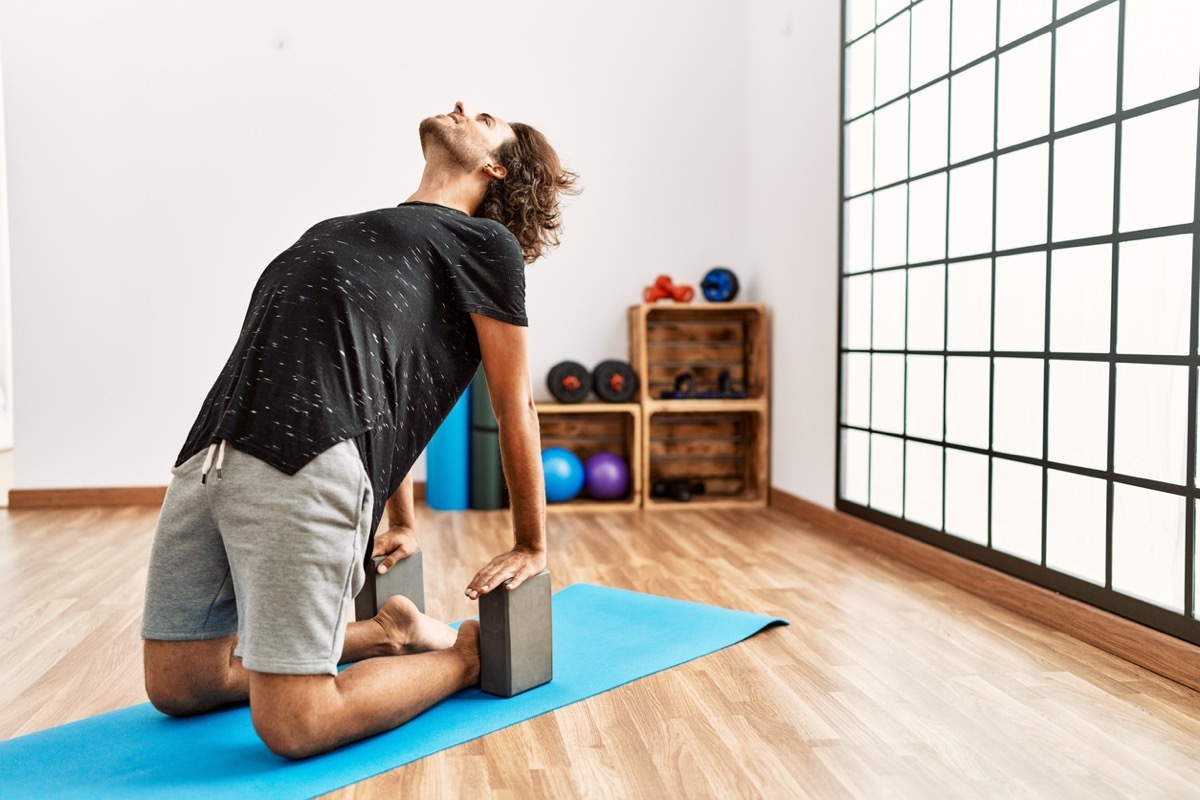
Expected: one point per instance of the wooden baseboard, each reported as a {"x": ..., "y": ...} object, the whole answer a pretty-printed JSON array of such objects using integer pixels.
[
  {"x": 69, "y": 498},
  {"x": 1165, "y": 655}
]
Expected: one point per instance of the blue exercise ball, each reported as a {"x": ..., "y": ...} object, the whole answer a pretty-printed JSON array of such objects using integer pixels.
[{"x": 564, "y": 474}]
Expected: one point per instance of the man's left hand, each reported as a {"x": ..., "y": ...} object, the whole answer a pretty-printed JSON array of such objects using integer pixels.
[
  {"x": 397, "y": 543},
  {"x": 519, "y": 564}
]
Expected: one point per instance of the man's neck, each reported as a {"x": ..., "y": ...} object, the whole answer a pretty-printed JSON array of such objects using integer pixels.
[{"x": 452, "y": 189}]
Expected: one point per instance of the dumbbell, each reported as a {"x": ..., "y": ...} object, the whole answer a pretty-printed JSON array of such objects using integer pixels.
[
  {"x": 663, "y": 288},
  {"x": 516, "y": 650},
  {"x": 406, "y": 577}
]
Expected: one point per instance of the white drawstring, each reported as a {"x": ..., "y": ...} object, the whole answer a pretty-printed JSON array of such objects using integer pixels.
[{"x": 217, "y": 450}]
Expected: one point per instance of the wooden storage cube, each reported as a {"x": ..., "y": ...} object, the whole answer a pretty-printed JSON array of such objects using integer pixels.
[
  {"x": 724, "y": 450},
  {"x": 589, "y": 428},
  {"x": 703, "y": 340}
]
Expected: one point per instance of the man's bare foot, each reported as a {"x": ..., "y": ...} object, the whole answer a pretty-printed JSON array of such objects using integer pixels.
[
  {"x": 468, "y": 644},
  {"x": 407, "y": 630}
]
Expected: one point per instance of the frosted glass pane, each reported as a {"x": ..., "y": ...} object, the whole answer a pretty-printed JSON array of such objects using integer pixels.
[
  {"x": 887, "y": 474},
  {"x": 891, "y": 60},
  {"x": 858, "y": 312},
  {"x": 1154, "y": 296},
  {"x": 927, "y": 308},
  {"x": 923, "y": 396},
  {"x": 887, "y": 392},
  {"x": 1083, "y": 184},
  {"x": 891, "y": 143},
  {"x": 860, "y": 152},
  {"x": 927, "y": 219},
  {"x": 1017, "y": 406},
  {"x": 1161, "y": 55},
  {"x": 1158, "y": 168},
  {"x": 856, "y": 448},
  {"x": 968, "y": 386},
  {"x": 972, "y": 111},
  {"x": 1024, "y": 92},
  {"x": 891, "y": 224},
  {"x": 889, "y": 310},
  {"x": 860, "y": 76},
  {"x": 1080, "y": 299},
  {"x": 1022, "y": 196},
  {"x": 923, "y": 484},
  {"x": 860, "y": 18},
  {"x": 1017, "y": 509},
  {"x": 974, "y": 30},
  {"x": 856, "y": 389},
  {"x": 1151, "y": 423},
  {"x": 1021, "y": 302},
  {"x": 1148, "y": 541},
  {"x": 1022, "y": 17},
  {"x": 930, "y": 41},
  {"x": 1085, "y": 68},
  {"x": 858, "y": 227},
  {"x": 930, "y": 109},
  {"x": 1078, "y": 428},
  {"x": 1076, "y": 512},
  {"x": 967, "y": 495},
  {"x": 971, "y": 209},
  {"x": 1066, "y": 7},
  {"x": 970, "y": 306},
  {"x": 888, "y": 8}
]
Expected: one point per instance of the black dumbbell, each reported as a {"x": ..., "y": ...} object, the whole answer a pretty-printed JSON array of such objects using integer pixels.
[
  {"x": 681, "y": 490},
  {"x": 614, "y": 381},
  {"x": 569, "y": 382}
]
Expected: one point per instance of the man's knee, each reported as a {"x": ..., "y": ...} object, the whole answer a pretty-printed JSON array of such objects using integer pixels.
[
  {"x": 187, "y": 678},
  {"x": 291, "y": 713}
]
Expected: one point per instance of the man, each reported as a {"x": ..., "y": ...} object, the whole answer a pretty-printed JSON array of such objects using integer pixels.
[{"x": 358, "y": 341}]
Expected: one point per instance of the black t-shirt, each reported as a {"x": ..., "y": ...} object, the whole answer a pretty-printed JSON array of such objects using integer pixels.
[{"x": 362, "y": 330}]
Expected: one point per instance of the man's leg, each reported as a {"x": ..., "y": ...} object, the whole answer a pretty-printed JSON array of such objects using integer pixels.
[
  {"x": 302, "y": 715},
  {"x": 192, "y": 677}
]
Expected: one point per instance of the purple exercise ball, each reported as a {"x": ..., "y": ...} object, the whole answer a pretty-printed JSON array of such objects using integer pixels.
[{"x": 606, "y": 476}]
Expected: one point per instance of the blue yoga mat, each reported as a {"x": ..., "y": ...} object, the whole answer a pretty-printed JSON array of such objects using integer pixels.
[{"x": 603, "y": 638}]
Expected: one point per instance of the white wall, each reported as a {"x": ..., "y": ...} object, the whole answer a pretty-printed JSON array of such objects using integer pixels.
[
  {"x": 792, "y": 222},
  {"x": 160, "y": 154},
  {"x": 6, "y": 408}
]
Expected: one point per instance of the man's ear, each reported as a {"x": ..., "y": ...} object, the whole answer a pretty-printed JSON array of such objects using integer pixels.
[{"x": 497, "y": 171}]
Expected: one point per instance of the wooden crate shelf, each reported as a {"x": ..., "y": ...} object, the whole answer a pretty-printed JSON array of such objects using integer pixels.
[
  {"x": 725, "y": 449},
  {"x": 589, "y": 428},
  {"x": 723, "y": 443},
  {"x": 703, "y": 339}
]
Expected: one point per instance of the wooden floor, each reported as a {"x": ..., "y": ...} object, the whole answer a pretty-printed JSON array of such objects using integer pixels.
[{"x": 888, "y": 683}]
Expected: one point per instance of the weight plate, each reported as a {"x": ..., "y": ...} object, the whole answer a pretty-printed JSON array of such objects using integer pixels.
[
  {"x": 720, "y": 285},
  {"x": 569, "y": 382},
  {"x": 614, "y": 381}
]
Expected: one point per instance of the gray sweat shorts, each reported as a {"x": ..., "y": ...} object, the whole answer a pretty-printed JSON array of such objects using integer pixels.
[{"x": 274, "y": 558}]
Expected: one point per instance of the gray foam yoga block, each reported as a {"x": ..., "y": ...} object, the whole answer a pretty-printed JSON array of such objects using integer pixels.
[
  {"x": 407, "y": 577},
  {"x": 515, "y": 638}
]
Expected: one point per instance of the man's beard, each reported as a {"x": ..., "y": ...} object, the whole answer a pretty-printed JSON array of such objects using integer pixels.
[{"x": 450, "y": 138}]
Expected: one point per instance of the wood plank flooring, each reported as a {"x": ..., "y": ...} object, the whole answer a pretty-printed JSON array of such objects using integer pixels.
[{"x": 888, "y": 683}]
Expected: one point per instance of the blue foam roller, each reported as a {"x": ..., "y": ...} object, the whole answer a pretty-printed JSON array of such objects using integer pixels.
[{"x": 448, "y": 460}]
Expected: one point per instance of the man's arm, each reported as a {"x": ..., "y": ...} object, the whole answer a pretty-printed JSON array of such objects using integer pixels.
[
  {"x": 506, "y": 366},
  {"x": 400, "y": 539}
]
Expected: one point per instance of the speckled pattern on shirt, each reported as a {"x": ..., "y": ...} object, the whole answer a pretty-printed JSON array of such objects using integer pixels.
[{"x": 362, "y": 330}]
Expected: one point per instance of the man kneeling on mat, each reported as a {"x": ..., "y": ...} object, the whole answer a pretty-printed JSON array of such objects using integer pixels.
[{"x": 358, "y": 341}]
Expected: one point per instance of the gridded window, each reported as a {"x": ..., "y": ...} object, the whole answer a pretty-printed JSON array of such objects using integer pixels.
[{"x": 1019, "y": 347}]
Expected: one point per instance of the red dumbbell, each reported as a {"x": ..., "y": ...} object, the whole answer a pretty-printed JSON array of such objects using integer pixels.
[{"x": 664, "y": 288}]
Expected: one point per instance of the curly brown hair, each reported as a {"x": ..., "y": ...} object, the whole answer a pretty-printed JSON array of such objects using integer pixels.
[{"x": 526, "y": 201}]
